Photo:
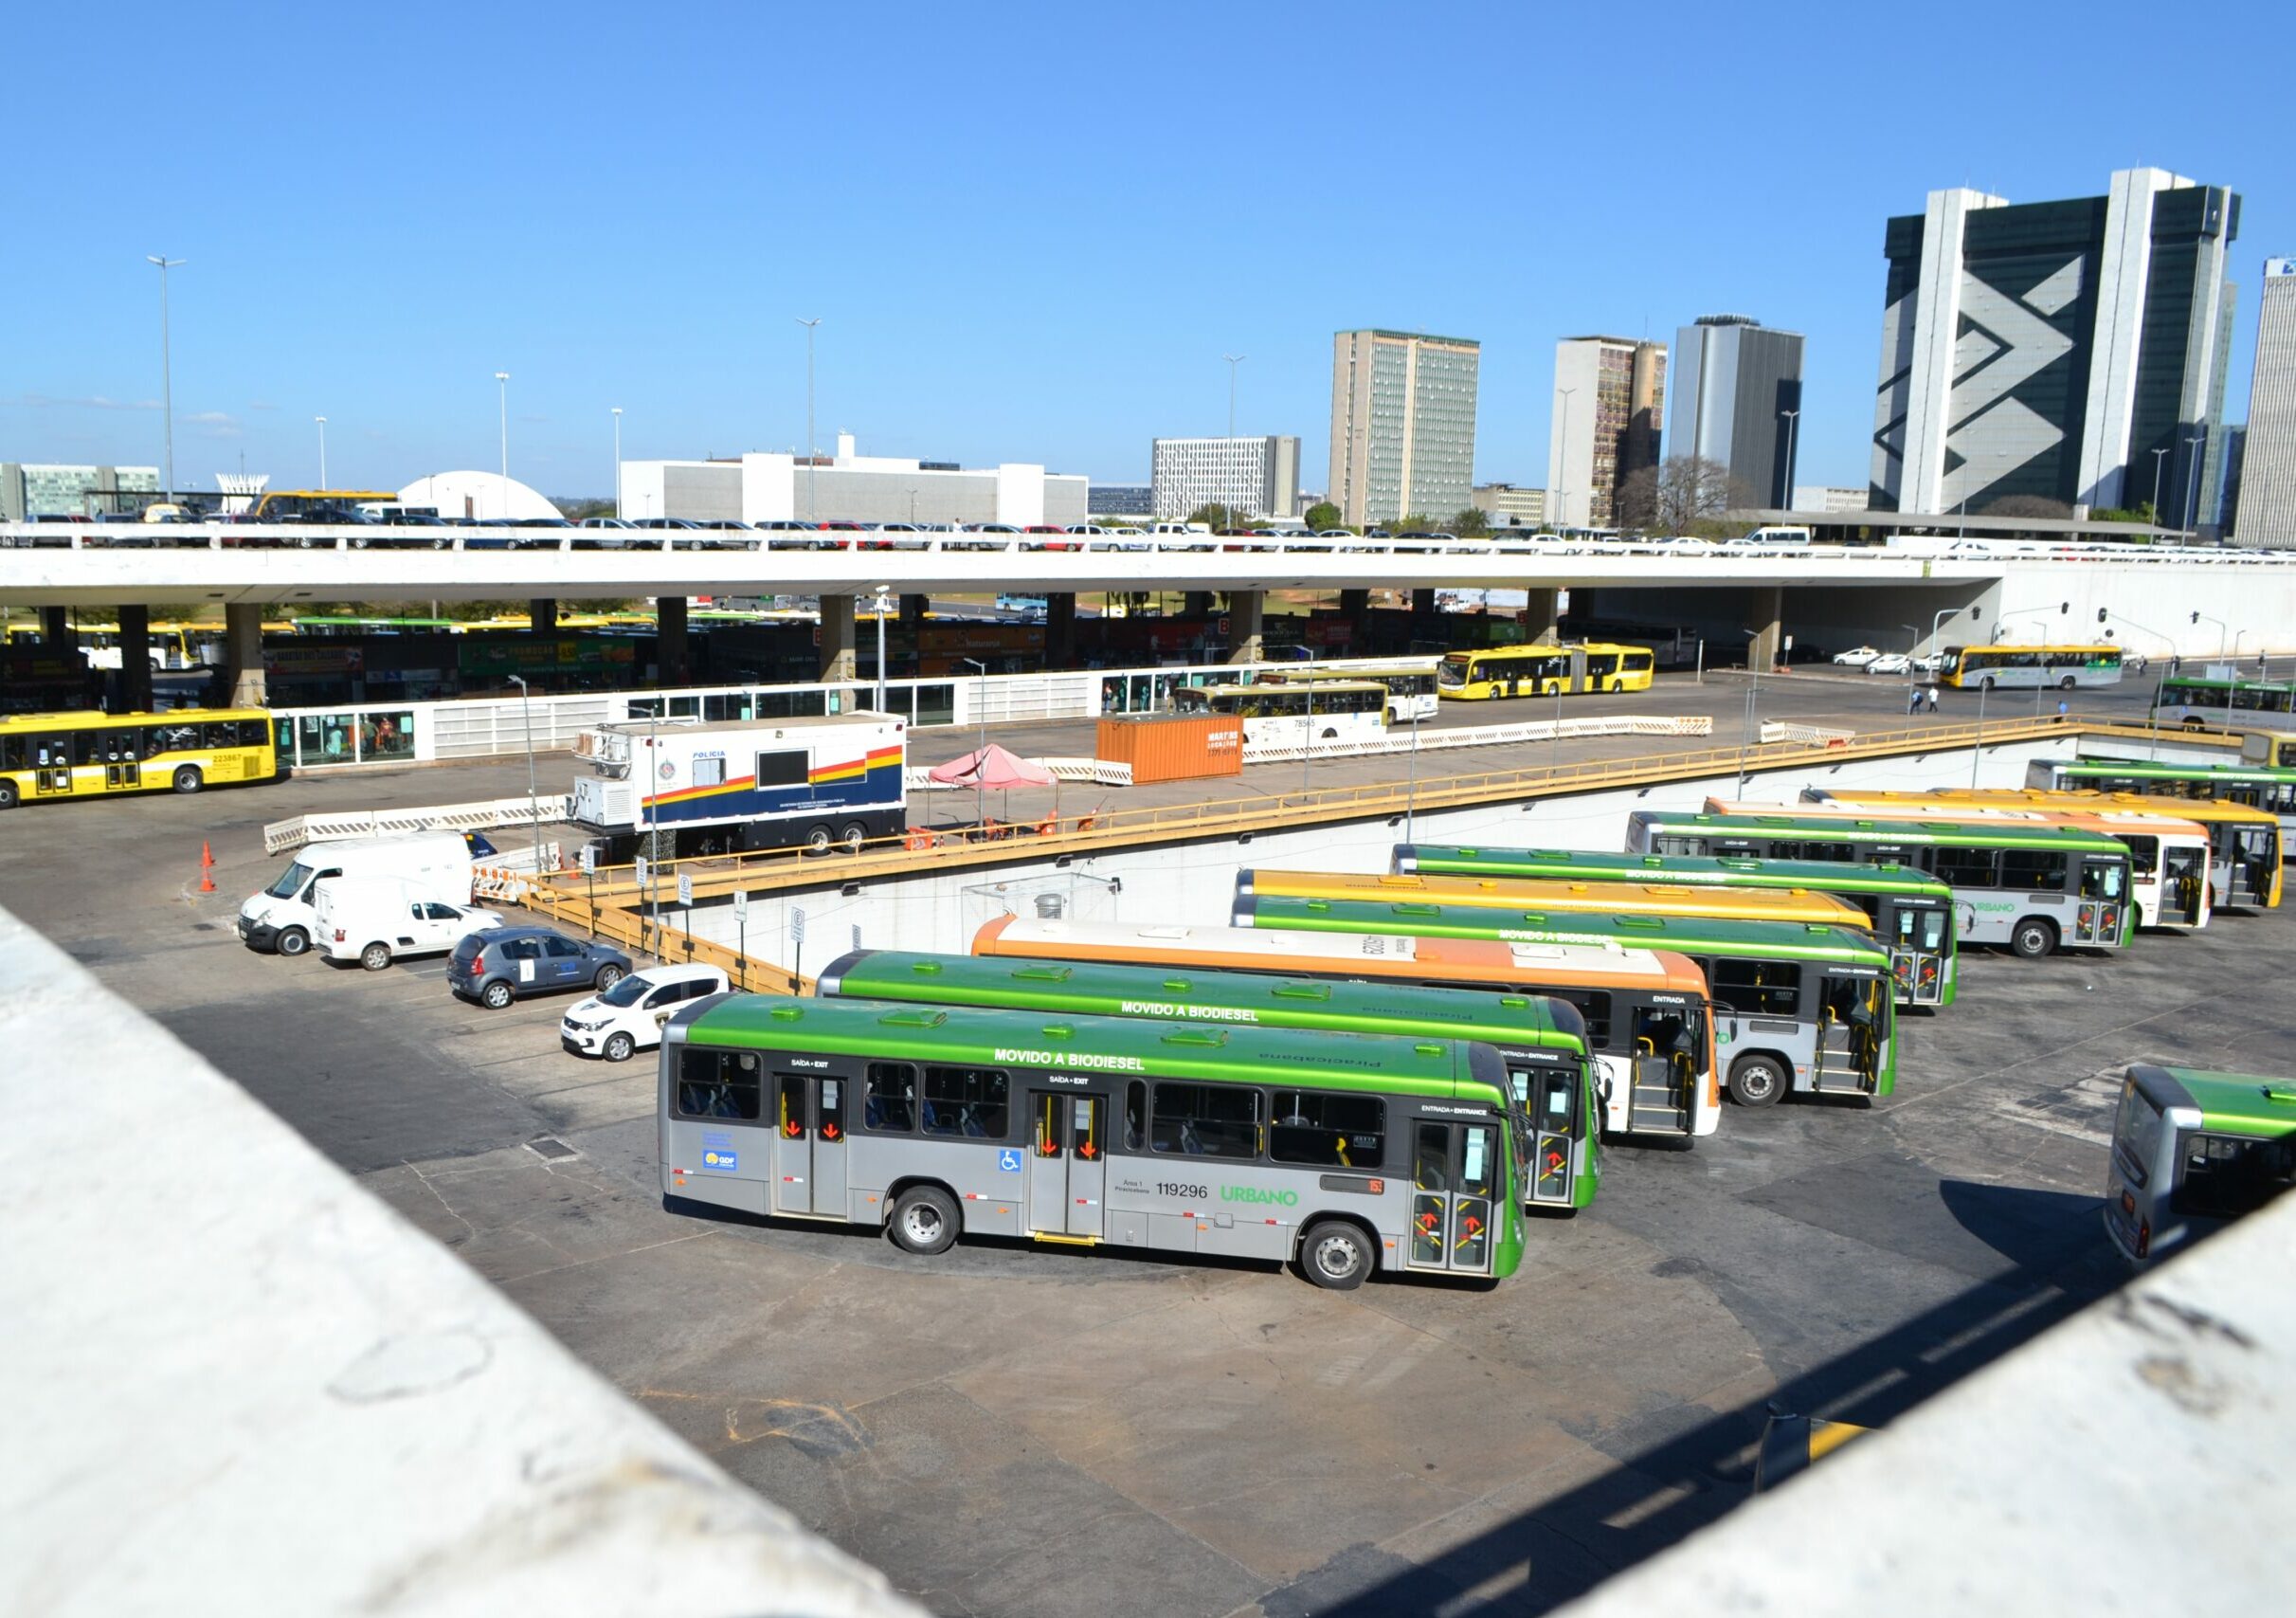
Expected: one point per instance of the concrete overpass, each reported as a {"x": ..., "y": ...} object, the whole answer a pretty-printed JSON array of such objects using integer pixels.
[{"x": 2183, "y": 600}]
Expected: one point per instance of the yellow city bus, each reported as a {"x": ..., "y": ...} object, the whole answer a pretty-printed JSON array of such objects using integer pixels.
[
  {"x": 84, "y": 754},
  {"x": 1985, "y": 668},
  {"x": 1576, "y": 670},
  {"x": 1805, "y": 905},
  {"x": 2244, "y": 843}
]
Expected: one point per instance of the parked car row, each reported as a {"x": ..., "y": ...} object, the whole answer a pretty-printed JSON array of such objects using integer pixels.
[
  {"x": 374, "y": 900},
  {"x": 1875, "y": 662}
]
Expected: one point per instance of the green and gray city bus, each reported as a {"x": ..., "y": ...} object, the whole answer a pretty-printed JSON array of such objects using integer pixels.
[
  {"x": 2200, "y": 702},
  {"x": 2192, "y": 1151},
  {"x": 1797, "y": 1006},
  {"x": 1543, "y": 1041},
  {"x": 1347, "y": 1153},
  {"x": 2255, "y": 785},
  {"x": 1910, "y": 911},
  {"x": 2037, "y": 888}
]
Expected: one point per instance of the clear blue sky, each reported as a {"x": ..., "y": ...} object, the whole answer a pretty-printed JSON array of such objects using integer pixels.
[{"x": 1031, "y": 232}]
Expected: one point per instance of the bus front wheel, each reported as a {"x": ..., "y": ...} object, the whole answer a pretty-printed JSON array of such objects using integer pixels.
[
  {"x": 2066, "y": 684},
  {"x": 187, "y": 778},
  {"x": 924, "y": 1221},
  {"x": 1336, "y": 1256},
  {"x": 1985, "y": 682},
  {"x": 2034, "y": 937},
  {"x": 1756, "y": 1081}
]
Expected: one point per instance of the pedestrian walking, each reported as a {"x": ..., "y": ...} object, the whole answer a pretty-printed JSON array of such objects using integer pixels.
[
  {"x": 1932, "y": 696},
  {"x": 1913, "y": 700},
  {"x": 2062, "y": 710}
]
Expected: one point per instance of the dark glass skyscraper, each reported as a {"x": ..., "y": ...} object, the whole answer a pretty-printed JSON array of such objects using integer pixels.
[{"x": 2073, "y": 351}]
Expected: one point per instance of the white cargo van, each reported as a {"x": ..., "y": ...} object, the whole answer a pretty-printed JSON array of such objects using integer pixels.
[
  {"x": 280, "y": 918},
  {"x": 374, "y": 920}
]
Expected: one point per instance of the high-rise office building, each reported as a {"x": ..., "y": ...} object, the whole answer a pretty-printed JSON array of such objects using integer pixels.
[
  {"x": 2266, "y": 512},
  {"x": 2227, "y": 479},
  {"x": 1734, "y": 398},
  {"x": 1403, "y": 426},
  {"x": 2073, "y": 351},
  {"x": 1259, "y": 476},
  {"x": 1610, "y": 400}
]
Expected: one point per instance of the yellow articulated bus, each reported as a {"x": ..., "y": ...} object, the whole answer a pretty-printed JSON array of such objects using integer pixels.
[
  {"x": 85, "y": 754},
  {"x": 1975, "y": 668},
  {"x": 1577, "y": 669},
  {"x": 2243, "y": 843},
  {"x": 1805, "y": 905}
]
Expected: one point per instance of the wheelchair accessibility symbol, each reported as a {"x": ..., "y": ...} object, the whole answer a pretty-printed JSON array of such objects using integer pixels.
[{"x": 1008, "y": 1161}]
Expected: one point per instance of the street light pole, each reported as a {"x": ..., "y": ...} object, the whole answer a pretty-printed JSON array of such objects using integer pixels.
[
  {"x": 2156, "y": 454},
  {"x": 502, "y": 386},
  {"x": 322, "y": 421},
  {"x": 617, "y": 462},
  {"x": 884, "y": 592},
  {"x": 980, "y": 700},
  {"x": 1793, "y": 419},
  {"x": 1233, "y": 360},
  {"x": 812, "y": 510},
  {"x": 533, "y": 804},
  {"x": 1753, "y": 702},
  {"x": 167, "y": 365}
]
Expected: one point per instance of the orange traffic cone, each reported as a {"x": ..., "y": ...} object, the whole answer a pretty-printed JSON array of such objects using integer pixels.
[{"x": 207, "y": 864}]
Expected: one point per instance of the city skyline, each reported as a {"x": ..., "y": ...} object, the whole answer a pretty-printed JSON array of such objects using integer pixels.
[{"x": 510, "y": 247}]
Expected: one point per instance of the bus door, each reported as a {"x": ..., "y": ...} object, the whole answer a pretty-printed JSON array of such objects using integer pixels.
[
  {"x": 1455, "y": 1172},
  {"x": 2097, "y": 920},
  {"x": 1666, "y": 1071},
  {"x": 122, "y": 769},
  {"x": 2249, "y": 859},
  {"x": 1917, "y": 937},
  {"x": 2184, "y": 883},
  {"x": 1849, "y": 1030},
  {"x": 1551, "y": 1101},
  {"x": 1067, "y": 1163},
  {"x": 1597, "y": 671},
  {"x": 51, "y": 757},
  {"x": 808, "y": 1144}
]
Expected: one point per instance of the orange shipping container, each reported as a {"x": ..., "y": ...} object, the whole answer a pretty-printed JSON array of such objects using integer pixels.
[{"x": 1173, "y": 747}]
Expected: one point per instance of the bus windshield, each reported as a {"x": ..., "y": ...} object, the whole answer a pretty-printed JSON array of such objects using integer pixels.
[{"x": 2137, "y": 1133}]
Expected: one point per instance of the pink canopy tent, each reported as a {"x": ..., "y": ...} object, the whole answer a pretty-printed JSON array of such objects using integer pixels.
[{"x": 994, "y": 767}]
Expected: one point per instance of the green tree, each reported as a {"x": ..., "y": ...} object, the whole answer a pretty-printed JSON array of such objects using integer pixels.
[
  {"x": 1321, "y": 516},
  {"x": 1215, "y": 516},
  {"x": 1412, "y": 522},
  {"x": 1471, "y": 524}
]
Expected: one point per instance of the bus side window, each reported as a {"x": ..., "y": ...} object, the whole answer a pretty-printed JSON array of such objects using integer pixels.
[
  {"x": 12, "y": 753},
  {"x": 889, "y": 1098},
  {"x": 1135, "y": 1116},
  {"x": 2225, "y": 1175},
  {"x": 720, "y": 1083},
  {"x": 2033, "y": 870},
  {"x": 1341, "y": 1132}
]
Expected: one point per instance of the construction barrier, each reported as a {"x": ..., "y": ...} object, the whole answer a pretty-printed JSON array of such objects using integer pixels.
[{"x": 550, "y": 809}]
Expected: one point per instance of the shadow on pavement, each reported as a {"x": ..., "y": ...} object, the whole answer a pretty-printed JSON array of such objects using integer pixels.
[{"x": 1677, "y": 1473}]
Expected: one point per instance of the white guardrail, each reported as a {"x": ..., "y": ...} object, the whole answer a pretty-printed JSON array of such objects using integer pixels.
[{"x": 283, "y": 836}]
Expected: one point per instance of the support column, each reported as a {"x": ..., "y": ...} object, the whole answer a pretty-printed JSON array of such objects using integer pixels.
[
  {"x": 1195, "y": 604},
  {"x": 1540, "y": 624},
  {"x": 243, "y": 654},
  {"x": 1061, "y": 630},
  {"x": 1354, "y": 604},
  {"x": 913, "y": 608},
  {"x": 56, "y": 628},
  {"x": 542, "y": 615},
  {"x": 1766, "y": 616},
  {"x": 135, "y": 660},
  {"x": 837, "y": 660},
  {"x": 1244, "y": 608},
  {"x": 672, "y": 657},
  {"x": 1423, "y": 604}
]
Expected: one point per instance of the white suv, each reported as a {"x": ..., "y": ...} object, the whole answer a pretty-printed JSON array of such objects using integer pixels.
[{"x": 628, "y": 1017}]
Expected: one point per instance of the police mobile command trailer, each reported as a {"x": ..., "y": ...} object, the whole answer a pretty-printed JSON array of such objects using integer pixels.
[{"x": 811, "y": 783}]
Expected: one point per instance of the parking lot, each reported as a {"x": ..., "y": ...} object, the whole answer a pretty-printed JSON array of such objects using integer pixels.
[{"x": 1012, "y": 1431}]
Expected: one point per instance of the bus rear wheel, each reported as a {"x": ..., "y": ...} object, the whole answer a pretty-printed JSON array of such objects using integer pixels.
[
  {"x": 1336, "y": 1256},
  {"x": 924, "y": 1221},
  {"x": 187, "y": 778},
  {"x": 818, "y": 840},
  {"x": 1757, "y": 1081},
  {"x": 2066, "y": 684},
  {"x": 854, "y": 836},
  {"x": 7, "y": 794},
  {"x": 2034, "y": 937}
]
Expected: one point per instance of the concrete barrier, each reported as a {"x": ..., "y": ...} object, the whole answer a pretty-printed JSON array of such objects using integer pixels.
[{"x": 240, "y": 1384}]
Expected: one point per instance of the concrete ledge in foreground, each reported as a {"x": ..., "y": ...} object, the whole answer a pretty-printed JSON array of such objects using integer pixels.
[{"x": 236, "y": 1383}]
